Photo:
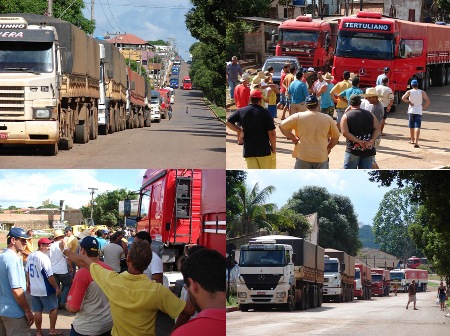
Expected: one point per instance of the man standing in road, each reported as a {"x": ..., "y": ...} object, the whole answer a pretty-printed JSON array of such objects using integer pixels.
[
  {"x": 233, "y": 71},
  {"x": 284, "y": 72},
  {"x": 259, "y": 133},
  {"x": 360, "y": 128},
  {"x": 15, "y": 313},
  {"x": 288, "y": 79},
  {"x": 242, "y": 92},
  {"x": 86, "y": 299},
  {"x": 353, "y": 90},
  {"x": 297, "y": 93},
  {"x": 415, "y": 98},
  {"x": 43, "y": 287},
  {"x": 206, "y": 289},
  {"x": 412, "y": 294},
  {"x": 387, "y": 99},
  {"x": 341, "y": 103},
  {"x": 317, "y": 135}
]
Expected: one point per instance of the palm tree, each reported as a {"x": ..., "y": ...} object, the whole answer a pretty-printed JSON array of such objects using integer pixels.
[{"x": 255, "y": 211}]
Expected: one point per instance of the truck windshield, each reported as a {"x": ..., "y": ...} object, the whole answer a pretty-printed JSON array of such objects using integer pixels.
[
  {"x": 331, "y": 266},
  {"x": 377, "y": 277},
  {"x": 397, "y": 276},
  {"x": 298, "y": 37},
  {"x": 26, "y": 57},
  {"x": 144, "y": 204},
  {"x": 154, "y": 100},
  {"x": 262, "y": 258},
  {"x": 357, "y": 273},
  {"x": 365, "y": 45}
]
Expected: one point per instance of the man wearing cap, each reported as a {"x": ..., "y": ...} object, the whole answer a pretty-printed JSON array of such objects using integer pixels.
[
  {"x": 317, "y": 135},
  {"x": 297, "y": 93},
  {"x": 15, "y": 313},
  {"x": 29, "y": 248},
  {"x": 70, "y": 239},
  {"x": 360, "y": 128},
  {"x": 134, "y": 299},
  {"x": 387, "y": 99},
  {"x": 242, "y": 91},
  {"x": 259, "y": 133},
  {"x": 60, "y": 267},
  {"x": 383, "y": 75},
  {"x": 415, "y": 98},
  {"x": 233, "y": 70},
  {"x": 341, "y": 103},
  {"x": 42, "y": 286},
  {"x": 86, "y": 299}
]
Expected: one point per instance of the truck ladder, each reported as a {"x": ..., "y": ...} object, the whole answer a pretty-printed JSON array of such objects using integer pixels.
[{"x": 183, "y": 202}]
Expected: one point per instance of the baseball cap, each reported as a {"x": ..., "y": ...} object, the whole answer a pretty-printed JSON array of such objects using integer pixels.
[
  {"x": 256, "y": 94},
  {"x": 355, "y": 100},
  {"x": 310, "y": 69},
  {"x": 311, "y": 100},
  {"x": 414, "y": 82},
  {"x": 44, "y": 241},
  {"x": 89, "y": 243},
  {"x": 386, "y": 69},
  {"x": 18, "y": 233},
  {"x": 85, "y": 233},
  {"x": 68, "y": 228}
]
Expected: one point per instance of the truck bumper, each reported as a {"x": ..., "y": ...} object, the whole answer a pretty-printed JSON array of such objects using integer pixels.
[
  {"x": 279, "y": 295},
  {"x": 29, "y": 132},
  {"x": 331, "y": 291}
]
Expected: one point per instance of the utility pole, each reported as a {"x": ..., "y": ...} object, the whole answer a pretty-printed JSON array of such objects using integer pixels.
[
  {"x": 92, "y": 201},
  {"x": 50, "y": 8}
]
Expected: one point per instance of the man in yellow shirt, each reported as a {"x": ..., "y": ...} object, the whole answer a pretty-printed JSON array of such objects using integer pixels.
[
  {"x": 133, "y": 298},
  {"x": 342, "y": 104},
  {"x": 70, "y": 239},
  {"x": 29, "y": 248}
]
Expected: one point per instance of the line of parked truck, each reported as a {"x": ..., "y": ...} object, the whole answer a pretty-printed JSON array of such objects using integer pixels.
[
  {"x": 59, "y": 86},
  {"x": 367, "y": 43},
  {"x": 293, "y": 273}
]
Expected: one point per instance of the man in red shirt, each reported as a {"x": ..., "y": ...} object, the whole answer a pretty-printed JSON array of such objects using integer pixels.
[
  {"x": 202, "y": 273},
  {"x": 242, "y": 92}
]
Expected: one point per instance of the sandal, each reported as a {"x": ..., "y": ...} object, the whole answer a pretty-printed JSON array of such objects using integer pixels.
[
  {"x": 57, "y": 333},
  {"x": 416, "y": 146}
]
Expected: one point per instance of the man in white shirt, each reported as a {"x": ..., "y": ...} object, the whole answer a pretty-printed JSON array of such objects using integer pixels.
[
  {"x": 42, "y": 286},
  {"x": 387, "y": 99},
  {"x": 60, "y": 267},
  {"x": 154, "y": 271}
]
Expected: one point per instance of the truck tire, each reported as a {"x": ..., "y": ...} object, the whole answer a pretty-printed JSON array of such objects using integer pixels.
[
  {"x": 93, "y": 127},
  {"x": 103, "y": 129},
  {"x": 112, "y": 121},
  {"x": 65, "y": 143},
  {"x": 320, "y": 298},
  {"x": 243, "y": 307},
  {"x": 81, "y": 134},
  {"x": 440, "y": 75},
  {"x": 50, "y": 150},
  {"x": 426, "y": 79},
  {"x": 447, "y": 75}
]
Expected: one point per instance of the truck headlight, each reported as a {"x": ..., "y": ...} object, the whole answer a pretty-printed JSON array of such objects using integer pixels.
[
  {"x": 280, "y": 295},
  {"x": 42, "y": 113},
  {"x": 242, "y": 295}
]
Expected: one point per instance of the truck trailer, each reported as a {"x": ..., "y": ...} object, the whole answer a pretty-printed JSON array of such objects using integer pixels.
[
  {"x": 363, "y": 281},
  {"x": 381, "y": 282},
  {"x": 412, "y": 50},
  {"x": 280, "y": 271},
  {"x": 136, "y": 108},
  {"x": 49, "y": 82},
  {"x": 339, "y": 276},
  {"x": 311, "y": 41}
]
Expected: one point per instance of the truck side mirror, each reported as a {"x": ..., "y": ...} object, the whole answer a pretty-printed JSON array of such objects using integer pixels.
[{"x": 274, "y": 37}]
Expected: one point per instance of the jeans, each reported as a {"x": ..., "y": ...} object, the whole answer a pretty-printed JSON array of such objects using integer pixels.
[
  {"x": 300, "y": 164},
  {"x": 232, "y": 85},
  {"x": 362, "y": 162},
  {"x": 66, "y": 281}
]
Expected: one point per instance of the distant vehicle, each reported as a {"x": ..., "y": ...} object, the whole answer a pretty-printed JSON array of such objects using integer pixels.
[
  {"x": 278, "y": 62},
  {"x": 187, "y": 83},
  {"x": 188, "y": 62},
  {"x": 41, "y": 233},
  {"x": 155, "y": 102},
  {"x": 177, "y": 62},
  {"x": 413, "y": 262},
  {"x": 173, "y": 81}
]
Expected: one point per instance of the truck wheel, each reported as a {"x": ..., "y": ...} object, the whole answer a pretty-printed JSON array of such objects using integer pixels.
[
  {"x": 50, "y": 150},
  {"x": 243, "y": 307},
  {"x": 80, "y": 134},
  {"x": 320, "y": 298},
  {"x": 65, "y": 143},
  {"x": 447, "y": 75},
  {"x": 112, "y": 122},
  {"x": 440, "y": 75},
  {"x": 103, "y": 129},
  {"x": 92, "y": 128}
]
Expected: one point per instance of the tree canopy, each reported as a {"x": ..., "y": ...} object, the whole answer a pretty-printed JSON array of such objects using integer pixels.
[
  {"x": 64, "y": 10},
  {"x": 338, "y": 225},
  {"x": 234, "y": 178},
  {"x": 106, "y": 207}
]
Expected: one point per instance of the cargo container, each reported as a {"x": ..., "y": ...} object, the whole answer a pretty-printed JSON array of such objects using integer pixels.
[
  {"x": 339, "y": 276},
  {"x": 363, "y": 281},
  {"x": 136, "y": 93}
]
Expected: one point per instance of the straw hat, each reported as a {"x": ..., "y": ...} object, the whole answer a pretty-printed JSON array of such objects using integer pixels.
[
  {"x": 245, "y": 76},
  {"x": 328, "y": 76},
  {"x": 58, "y": 233},
  {"x": 370, "y": 92}
]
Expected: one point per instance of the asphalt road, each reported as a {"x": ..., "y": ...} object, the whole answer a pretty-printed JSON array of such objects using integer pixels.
[
  {"x": 196, "y": 139},
  {"x": 379, "y": 316}
]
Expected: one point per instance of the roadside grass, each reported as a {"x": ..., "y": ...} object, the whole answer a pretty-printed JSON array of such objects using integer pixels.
[
  {"x": 432, "y": 284},
  {"x": 232, "y": 301},
  {"x": 219, "y": 111}
]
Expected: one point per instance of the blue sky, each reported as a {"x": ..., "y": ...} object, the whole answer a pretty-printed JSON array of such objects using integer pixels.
[
  {"x": 365, "y": 195},
  {"x": 147, "y": 19},
  {"x": 30, "y": 187}
]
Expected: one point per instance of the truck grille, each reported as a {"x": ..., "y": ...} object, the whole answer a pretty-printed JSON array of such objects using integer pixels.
[
  {"x": 12, "y": 101},
  {"x": 261, "y": 282}
]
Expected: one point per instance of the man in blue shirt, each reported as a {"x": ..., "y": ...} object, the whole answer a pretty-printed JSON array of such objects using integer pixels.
[
  {"x": 383, "y": 75},
  {"x": 298, "y": 92},
  {"x": 354, "y": 90},
  {"x": 15, "y": 313}
]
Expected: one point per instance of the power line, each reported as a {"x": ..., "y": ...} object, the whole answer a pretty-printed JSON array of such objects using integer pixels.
[
  {"x": 113, "y": 16},
  {"x": 141, "y": 5},
  {"x": 106, "y": 17}
]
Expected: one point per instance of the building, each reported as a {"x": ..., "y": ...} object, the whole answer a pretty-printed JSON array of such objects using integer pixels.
[{"x": 378, "y": 259}]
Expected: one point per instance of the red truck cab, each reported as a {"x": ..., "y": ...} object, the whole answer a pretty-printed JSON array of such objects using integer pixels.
[
  {"x": 165, "y": 102},
  {"x": 187, "y": 83}
]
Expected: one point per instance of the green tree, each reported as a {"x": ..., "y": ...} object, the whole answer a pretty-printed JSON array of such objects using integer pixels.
[
  {"x": 12, "y": 207},
  {"x": 65, "y": 10},
  {"x": 295, "y": 224},
  {"x": 136, "y": 67},
  {"x": 106, "y": 207},
  {"x": 48, "y": 206},
  {"x": 158, "y": 42},
  {"x": 234, "y": 178},
  {"x": 367, "y": 238},
  {"x": 254, "y": 210},
  {"x": 390, "y": 225},
  {"x": 338, "y": 226}
]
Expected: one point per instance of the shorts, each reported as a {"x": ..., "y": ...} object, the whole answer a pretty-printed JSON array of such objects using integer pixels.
[
  {"x": 328, "y": 110},
  {"x": 262, "y": 162},
  {"x": 354, "y": 161},
  {"x": 282, "y": 98},
  {"x": 14, "y": 326},
  {"x": 300, "y": 164},
  {"x": 44, "y": 303},
  {"x": 339, "y": 114},
  {"x": 385, "y": 113},
  {"x": 273, "y": 110},
  {"x": 415, "y": 120},
  {"x": 412, "y": 298},
  {"x": 442, "y": 297}
]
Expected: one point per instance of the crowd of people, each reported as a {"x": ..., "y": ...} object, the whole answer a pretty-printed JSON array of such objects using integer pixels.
[
  {"x": 113, "y": 285},
  {"x": 315, "y": 111}
]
